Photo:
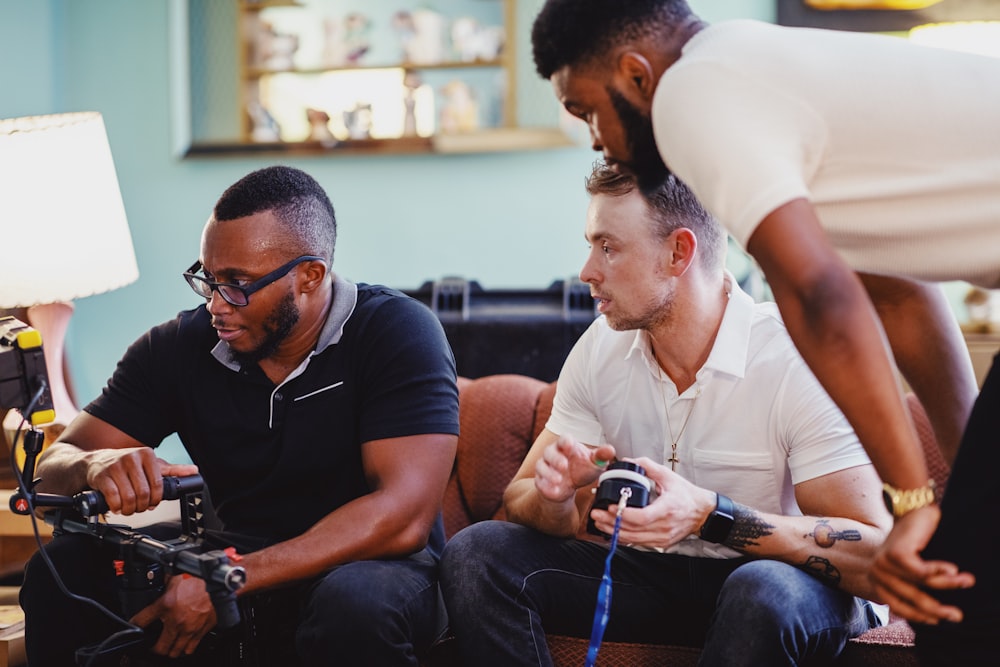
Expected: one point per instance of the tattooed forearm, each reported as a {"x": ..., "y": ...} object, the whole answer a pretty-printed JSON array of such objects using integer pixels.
[
  {"x": 822, "y": 569},
  {"x": 825, "y": 536},
  {"x": 748, "y": 528}
]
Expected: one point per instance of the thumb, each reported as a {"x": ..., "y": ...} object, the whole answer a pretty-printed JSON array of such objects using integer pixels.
[
  {"x": 145, "y": 616},
  {"x": 177, "y": 469},
  {"x": 602, "y": 456}
]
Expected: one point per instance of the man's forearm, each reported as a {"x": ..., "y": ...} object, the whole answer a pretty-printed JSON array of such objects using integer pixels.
[
  {"x": 836, "y": 550},
  {"x": 526, "y": 506},
  {"x": 832, "y": 321},
  {"x": 372, "y": 527},
  {"x": 62, "y": 469},
  {"x": 930, "y": 351}
]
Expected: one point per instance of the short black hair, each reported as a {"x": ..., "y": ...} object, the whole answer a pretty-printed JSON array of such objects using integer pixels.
[
  {"x": 578, "y": 32},
  {"x": 672, "y": 206},
  {"x": 295, "y": 198}
]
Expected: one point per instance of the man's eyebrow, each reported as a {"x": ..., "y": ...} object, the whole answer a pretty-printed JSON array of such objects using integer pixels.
[{"x": 599, "y": 235}]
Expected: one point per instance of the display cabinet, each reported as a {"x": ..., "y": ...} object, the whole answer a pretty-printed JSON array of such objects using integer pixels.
[{"x": 335, "y": 76}]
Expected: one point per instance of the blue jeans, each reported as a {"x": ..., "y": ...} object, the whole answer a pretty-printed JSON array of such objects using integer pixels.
[
  {"x": 380, "y": 612},
  {"x": 968, "y": 536},
  {"x": 506, "y": 586}
]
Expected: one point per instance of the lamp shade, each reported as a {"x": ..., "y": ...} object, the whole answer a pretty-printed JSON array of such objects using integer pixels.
[{"x": 63, "y": 230}]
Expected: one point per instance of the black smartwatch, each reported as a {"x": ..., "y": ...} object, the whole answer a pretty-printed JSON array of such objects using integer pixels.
[{"x": 720, "y": 522}]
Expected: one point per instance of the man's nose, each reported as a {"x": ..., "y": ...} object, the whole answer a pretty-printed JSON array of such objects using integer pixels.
[
  {"x": 595, "y": 138},
  {"x": 216, "y": 304}
]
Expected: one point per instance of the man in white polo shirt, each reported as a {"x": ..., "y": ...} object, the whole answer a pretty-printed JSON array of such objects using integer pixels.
[{"x": 766, "y": 509}]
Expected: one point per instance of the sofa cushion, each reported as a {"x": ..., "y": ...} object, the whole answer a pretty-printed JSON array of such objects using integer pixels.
[{"x": 497, "y": 428}]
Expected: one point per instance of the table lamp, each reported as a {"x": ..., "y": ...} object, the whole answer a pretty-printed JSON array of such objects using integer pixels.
[{"x": 63, "y": 232}]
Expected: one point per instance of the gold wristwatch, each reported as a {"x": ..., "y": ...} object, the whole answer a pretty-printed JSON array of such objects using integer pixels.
[{"x": 901, "y": 501}]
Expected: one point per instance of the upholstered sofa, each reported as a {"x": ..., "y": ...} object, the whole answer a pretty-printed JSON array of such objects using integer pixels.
[{"x": 500, "y": 417}]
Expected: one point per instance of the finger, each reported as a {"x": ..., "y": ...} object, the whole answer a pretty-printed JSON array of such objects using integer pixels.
[
  {"x": 922, "y": 609},
  {"x": 165, "y": 643},
  {"x": 912, "y": 603},
  {"x": 949, "y": 580},
  {"x": 145, "y": 616},
  {"x": 142, "y": 492},
  {"x": 177, "y": 469},
  {"x": 153, "y": 471},
  {"x": 602, "y": 456},
  {"x": 192, "y": 644}
]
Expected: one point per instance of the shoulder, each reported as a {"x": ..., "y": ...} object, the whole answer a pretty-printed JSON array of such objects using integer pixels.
[
  {"x": 770, "y": 341},
  {"x": 387, "y": 318}
]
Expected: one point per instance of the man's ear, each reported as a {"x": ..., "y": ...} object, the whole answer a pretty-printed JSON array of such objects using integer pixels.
[
  {"x": 315, "y": 272},
  {"x": 636, "y": 72},
  {"x": 683, "y": 249}
]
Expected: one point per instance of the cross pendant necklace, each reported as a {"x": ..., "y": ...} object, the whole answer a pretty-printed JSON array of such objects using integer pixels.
[{"x": 673, "y": 460}]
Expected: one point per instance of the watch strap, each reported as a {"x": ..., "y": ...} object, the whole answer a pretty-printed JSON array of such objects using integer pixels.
[
  {"x": 899, "y": 502},
  {"x": 719, "y": 523}
]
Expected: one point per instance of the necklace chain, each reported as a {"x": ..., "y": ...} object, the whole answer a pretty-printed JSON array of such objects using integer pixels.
[{"x": 673, "y": 460}]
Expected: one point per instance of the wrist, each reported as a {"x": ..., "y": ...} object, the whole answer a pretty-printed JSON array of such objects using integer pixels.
[
  {"x": 719, "y": 524},
  {"x": 900, "y": 502}
]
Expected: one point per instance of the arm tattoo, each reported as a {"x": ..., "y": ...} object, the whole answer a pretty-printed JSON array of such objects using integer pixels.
[
  {"x": 825, "y": 536},
  {"x": 748, "y": 528},
  {"x": 823, "y": 570}
]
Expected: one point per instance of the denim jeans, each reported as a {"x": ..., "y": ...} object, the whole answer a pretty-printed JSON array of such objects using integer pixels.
[
  {"x": 968, "y": 536},
  {"x": 506, "y": 585},
  {"x": 383, "y": 612}
]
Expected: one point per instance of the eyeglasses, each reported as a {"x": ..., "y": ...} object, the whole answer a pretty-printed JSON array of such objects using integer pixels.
[{"x": 239, "y": 295}]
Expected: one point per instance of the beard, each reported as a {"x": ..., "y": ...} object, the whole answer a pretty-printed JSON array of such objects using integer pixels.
[
  {"x": 645, "y": 163},
  {"x": 279, "y": 323},
  {"x": 653, "y": 314}
]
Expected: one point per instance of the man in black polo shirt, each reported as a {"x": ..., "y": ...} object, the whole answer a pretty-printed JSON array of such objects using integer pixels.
[{"x": 323, "y": 416}]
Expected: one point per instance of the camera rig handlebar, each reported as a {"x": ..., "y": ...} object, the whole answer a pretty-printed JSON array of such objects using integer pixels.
[
  {"x": 142, "y": 558},
  {"x": 24, "y": 387}
]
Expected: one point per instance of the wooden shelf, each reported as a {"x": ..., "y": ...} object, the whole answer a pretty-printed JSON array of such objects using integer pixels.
[
  {"x": 257, "y": 72},
  {"x": 248, "y": 5},
  {"x": 272, "y": 97},
  {"x": 495, "y": 140}
]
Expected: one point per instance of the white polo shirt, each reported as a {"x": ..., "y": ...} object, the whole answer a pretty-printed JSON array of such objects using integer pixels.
[{"x": 759, "y": 420}]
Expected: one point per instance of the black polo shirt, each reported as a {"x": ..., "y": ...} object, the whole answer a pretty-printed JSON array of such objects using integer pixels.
[{"x": 277, "y": 458}]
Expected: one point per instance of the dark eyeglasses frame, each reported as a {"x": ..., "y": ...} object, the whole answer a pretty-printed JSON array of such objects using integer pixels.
[{"x": 204, "y": 287}]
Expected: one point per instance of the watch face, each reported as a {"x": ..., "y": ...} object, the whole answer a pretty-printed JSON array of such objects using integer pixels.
[{"x": 887, "y": 499}]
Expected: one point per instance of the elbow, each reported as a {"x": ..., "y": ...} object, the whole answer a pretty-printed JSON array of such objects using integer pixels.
[
  {"x": 406, "y": 541},
  {"x": 411, "y": 539}
]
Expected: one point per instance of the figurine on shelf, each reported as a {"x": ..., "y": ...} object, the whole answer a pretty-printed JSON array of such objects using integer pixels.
[
  {"x": 359, "y": 121},
  {"x": 274, "y": 50},
  {"x": 473, "y": 41},
  {"x": 265, "y": 128},
  {"x": 411, "y": 83},
  {"x": 406, "y": 32},
  {"x": 421, "y": 33},
  {"x": 346, "y": 42},
  {"x": 319, "y": 127},
  {"x": 460, "y": 112},
  {"x": 334, "y": 51},
  {"x": 357, "y": 37}
]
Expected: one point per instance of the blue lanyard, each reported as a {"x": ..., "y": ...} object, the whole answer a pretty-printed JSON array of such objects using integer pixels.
[{"x": 603, "y": 610}]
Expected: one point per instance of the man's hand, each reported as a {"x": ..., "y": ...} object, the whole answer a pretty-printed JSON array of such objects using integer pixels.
[
  {"x": 568, "y": 465},
  {"x": 187, "y": 615},
  {"x": 131, "y": 479},
  {"x": 679, "y": 510},
  {"x": 898, "y": 572}
]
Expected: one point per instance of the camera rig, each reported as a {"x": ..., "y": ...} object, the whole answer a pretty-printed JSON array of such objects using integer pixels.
[{"x": 142, "y": 561}]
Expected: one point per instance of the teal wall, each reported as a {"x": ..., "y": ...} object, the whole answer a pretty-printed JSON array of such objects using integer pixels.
[{"x": 506, "y": 220}]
